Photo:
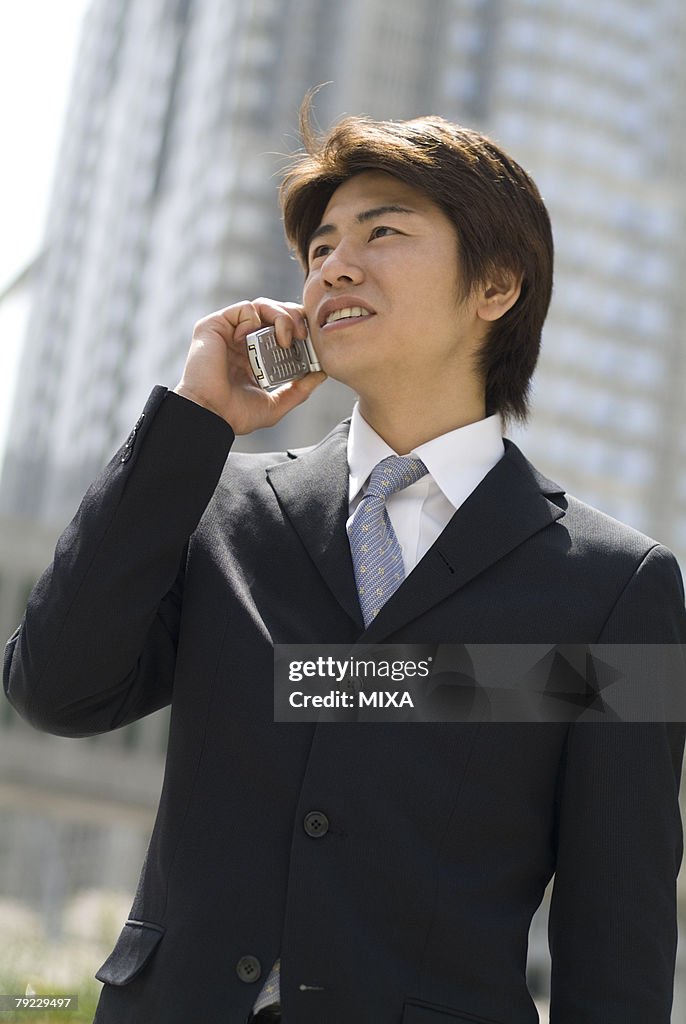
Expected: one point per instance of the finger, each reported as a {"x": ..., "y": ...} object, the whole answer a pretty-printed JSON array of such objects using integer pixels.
[
  {"x": 230, "y": 316},
  {"x": 287, "y": 397},
  {"x": 283, "y": 328},
  {"x": 297, "y": 312},
  {"x": 307, "y": 384},
  {"x": 287, "y": 318},
  {"x": 244, "y": 318}
]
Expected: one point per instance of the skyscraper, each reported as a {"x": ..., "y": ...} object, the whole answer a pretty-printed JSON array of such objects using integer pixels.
[{"x": 165, "y": 208}]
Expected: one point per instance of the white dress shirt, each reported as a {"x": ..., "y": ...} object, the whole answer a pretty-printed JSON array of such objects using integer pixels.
[{"x": 456, "y": 462}]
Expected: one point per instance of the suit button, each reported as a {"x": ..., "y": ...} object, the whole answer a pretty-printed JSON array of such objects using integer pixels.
[
  {"x": 316, "y": 824},
  {"x": 248, "y": 968}
]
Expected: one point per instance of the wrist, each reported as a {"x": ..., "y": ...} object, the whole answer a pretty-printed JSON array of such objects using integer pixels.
[{"x": 183, "y": 391}]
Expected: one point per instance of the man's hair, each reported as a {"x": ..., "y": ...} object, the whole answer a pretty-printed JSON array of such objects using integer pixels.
[{"x": 502, "y": 225}]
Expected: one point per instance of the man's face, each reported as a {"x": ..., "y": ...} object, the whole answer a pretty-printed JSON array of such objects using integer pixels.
[{"x": 382, "y": 293}]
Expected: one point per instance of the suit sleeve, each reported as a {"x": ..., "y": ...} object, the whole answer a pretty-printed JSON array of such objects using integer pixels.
[
  {"x": 96, "y": 648},
  {"x": 613, "y": 923}
]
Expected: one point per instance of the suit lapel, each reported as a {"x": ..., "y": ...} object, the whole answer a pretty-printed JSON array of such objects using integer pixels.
[
  {"x": 510, "y": 504},
  {"x": 507, "y": 507},
  {"x": 312, "y": 489}
]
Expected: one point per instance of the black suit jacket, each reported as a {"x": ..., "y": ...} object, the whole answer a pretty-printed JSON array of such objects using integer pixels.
[{"x": 172, "y": 584}]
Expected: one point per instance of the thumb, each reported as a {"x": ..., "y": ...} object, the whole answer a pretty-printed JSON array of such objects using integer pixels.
[{"x": 296, "y": 392}]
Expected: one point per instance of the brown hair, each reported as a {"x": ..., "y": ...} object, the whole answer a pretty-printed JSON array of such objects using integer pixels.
[{"x": 501, "y": 221}]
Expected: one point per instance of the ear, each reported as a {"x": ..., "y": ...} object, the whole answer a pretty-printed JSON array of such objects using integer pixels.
[{"x": 498, "y": 296}]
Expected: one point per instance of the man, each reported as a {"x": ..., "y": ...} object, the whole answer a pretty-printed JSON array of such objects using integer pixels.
[{"x": 354, "y": 872}]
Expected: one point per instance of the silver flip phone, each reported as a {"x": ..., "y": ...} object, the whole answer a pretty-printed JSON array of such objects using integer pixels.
[{"x": 273, "y": 365}]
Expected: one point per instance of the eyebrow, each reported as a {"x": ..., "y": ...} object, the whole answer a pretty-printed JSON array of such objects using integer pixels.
[{"x": 361, "y": 218}]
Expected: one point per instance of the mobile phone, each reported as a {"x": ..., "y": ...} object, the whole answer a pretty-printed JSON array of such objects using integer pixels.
[{"x": 273, "y": 365}]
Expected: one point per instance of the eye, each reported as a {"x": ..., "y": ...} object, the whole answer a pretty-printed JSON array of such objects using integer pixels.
[
  {"x": 320, "y": 252},
  {"x": 382, "y": 230}
]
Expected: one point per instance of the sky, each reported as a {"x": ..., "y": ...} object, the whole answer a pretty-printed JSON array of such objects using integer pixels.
[{"x": 38, "y": 44}]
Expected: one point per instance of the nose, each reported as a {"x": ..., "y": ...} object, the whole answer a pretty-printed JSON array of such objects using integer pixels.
[{"x": 341, "y": 268}]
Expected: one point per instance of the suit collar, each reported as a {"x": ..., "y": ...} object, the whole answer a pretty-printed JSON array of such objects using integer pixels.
[{"x": 512, "y": 503}]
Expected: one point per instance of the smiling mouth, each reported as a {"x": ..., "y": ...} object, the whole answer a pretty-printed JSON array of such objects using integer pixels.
[{"x": 349, "y": 313}]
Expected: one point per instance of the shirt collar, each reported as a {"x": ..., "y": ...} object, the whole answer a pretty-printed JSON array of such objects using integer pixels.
[{"x": 455, "y": 461}]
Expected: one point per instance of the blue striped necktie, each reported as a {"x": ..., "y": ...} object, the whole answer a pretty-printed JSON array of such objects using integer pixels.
[
  {"x": 269, "y": 994},
  {"x": 376, "y": 554}
]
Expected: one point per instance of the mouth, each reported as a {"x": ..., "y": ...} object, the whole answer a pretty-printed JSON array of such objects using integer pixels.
[{"x": 347, "y": 313}]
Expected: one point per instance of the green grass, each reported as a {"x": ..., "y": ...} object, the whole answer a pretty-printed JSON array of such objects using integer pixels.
[{"x": 32, "y": 963}]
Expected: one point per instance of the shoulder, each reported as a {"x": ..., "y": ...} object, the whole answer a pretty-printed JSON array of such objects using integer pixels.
[
  {"x": 638, "y": 575},
  {"x": 591, "y": 531},
  {"x": 640, "y": 563},
  {"x": 595, "y": 531}
]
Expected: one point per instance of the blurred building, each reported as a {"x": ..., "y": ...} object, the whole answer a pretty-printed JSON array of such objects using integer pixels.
[{"x": 164, "y": 208}]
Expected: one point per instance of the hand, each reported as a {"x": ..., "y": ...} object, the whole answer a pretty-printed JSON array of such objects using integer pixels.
[{"x": 217, "y": 373}]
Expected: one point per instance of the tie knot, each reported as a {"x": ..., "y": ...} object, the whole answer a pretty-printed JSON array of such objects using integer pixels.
[{"x": 395, "y": 473}]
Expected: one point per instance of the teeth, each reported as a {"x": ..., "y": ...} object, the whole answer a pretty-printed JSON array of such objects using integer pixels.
[{"x": 349, "y": 311}]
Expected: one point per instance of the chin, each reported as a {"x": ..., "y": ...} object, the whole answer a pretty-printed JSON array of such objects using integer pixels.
[{"x": 345, "y": 366}]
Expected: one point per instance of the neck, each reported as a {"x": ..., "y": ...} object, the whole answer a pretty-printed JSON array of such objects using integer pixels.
[{"x": 407, "y": 424}]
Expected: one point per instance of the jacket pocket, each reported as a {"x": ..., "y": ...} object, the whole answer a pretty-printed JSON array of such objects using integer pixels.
[
  {"x": 134, "y": 947},
  {"x": 418, "y": 1012}
]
